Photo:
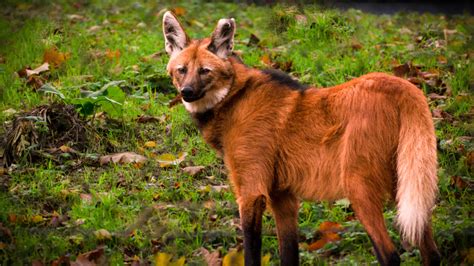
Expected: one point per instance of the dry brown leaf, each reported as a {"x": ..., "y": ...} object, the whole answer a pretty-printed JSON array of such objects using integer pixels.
[
  {"x": 112, "y": 54},
  {"x": 63, "y": 260},
  {"x": 54, "y": 57},
  {"x": 176, "y": 100},
  {"x": 329, "y": 232},
  {"x": 44, "y": 67},
  {"x": 253, "y": 40},
  {"x": 67, "y": 149},
  {"x": 266, "y": 59},
  {"x": 122, "y": 158},
  {"x": 193, "y": 170},
  {"x": 317, "y": 245},
  {"x": 458, "y": 182},
  {"x": 150, "y": 119},
  {"x": 212, "y": 259},
  {"x": 91, "y": 258},
  {"x": 179, "y": 10},
  {"x": 35, "y": 81}
]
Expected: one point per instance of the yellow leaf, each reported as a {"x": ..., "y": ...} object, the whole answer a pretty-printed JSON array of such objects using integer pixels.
[
  {"x": 266, "y": 260},
  {"x": 150, "y": 144},
  {"x": 37, "y": 219},
  {"x": 3, "y": 245},
  {"x": 233, "y": 258},
  {"x": 178, "y": 262},
  {"x": 164, "y": 259},
  {"x": 168, "y": 159}
]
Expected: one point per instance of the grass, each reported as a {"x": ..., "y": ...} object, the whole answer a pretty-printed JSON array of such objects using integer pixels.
[{"x": 149, "y": 209}]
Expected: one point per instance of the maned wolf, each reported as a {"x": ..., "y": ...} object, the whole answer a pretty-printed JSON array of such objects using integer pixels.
[{"x": 369, "y": 140}]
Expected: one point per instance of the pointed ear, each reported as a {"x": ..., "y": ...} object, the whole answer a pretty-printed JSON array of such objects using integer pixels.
[
  {"x": 222, "y": 39},
  {"x": 175, "y": 37}
]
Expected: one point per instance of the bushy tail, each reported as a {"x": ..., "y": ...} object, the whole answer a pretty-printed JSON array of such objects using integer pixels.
[{"x": 416, "y": 168}]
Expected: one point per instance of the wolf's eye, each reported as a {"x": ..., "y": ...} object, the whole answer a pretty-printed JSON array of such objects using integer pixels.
[
  {"x": 204, "y": 71},
  {"x": 182, "y": 70}
]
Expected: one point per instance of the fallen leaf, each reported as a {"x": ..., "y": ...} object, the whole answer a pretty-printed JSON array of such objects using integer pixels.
[
  {"x": 150, "y": 119},
  {"x": 329, "y": 233},
  {"x": 435, "y": 96},
  {"x": 233, "y": 258},
  {"x": 470, "y": 160},
  {"x": 458, "y": 182},
  {"x": 212, "y": 259},
  {"x": 165, "y": 259},
  {"x": 266, "y": 260},
  {"x": 301, "y": 19},
  {"x": 150, "y": 144},
  {"x": 2, "y": 245},
  {"x": 193, "y": 170},
  {"x": 86, "y": 197},
  {"x": 210, "y": 204},
  {"x": 35, "y": 81},
  {"x": 37, "y": 219},
  {"x": 54, "y": 57},
  {"x": 356, "y": 45},
  {"x": 91, "y": 258},
  {"x": 442, "y": 59},
  {"x": 122, "y": 158},
  {"x": 115, "y": 54},
  {"x": 219, "y": 188},
  {"x": 153, "y": 56},
  {"x": 317, "y": 245},
  {"x": 44, "y": 67},
  {"x": 405, "y": 70},
  {"x": 469, "y": 258},
  {"x": 253, "y": 40},
  {"x": 179, "y": 11},
  {"x": 67, "y": 149},
  {"x": 94, "y": 28},
  {"x": 76, "y": 18},
  {"x": 9, "y": 112},
  {"x": 5, "y": 233},
  {"x": 176, "y": 100},
  {"x": 36, "y": 263},
  {"x": 63, "y": 260},
  {"x": 102, "y": 234},
  {"x": 266, "y": 59},
  {"x": 327, "y": 226},
  {"x": 12, "y": 218},
  {"x": 167, "y": 159}
]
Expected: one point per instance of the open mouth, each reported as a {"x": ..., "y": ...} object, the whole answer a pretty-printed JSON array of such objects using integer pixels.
[{"x": 193, "y": 98}]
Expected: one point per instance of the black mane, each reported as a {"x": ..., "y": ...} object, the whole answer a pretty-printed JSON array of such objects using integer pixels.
[{"x": 284, "y": 79}]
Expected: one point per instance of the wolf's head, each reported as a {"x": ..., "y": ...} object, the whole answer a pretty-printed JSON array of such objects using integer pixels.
[{"x": 199, "y": 68}]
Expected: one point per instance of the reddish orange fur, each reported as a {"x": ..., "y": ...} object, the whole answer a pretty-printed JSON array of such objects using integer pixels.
[{"x": 317, "y": 144}]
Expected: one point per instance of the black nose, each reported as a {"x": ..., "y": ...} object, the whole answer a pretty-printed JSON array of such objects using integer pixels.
[{"x": 187, "y": 92}]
